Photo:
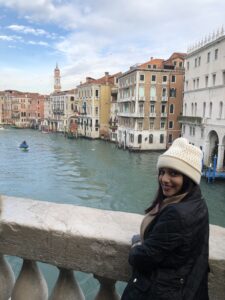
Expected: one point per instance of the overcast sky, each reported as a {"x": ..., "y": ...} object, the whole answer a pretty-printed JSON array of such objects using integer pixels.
[{"x": 90, "y": 37}]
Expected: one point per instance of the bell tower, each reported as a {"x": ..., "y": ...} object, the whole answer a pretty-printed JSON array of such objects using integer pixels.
[{"x": 57, "y": 84}]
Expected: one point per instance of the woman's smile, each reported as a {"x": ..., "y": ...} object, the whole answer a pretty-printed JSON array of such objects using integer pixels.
[{"x": 171, "y": 181}]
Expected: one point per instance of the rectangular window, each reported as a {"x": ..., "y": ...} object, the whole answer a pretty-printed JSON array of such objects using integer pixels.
[
  {"x": 206, "y": 81},
  {"x": 197, "y": 83},
  {"x": 170, "y": 124},
  {"x": 172, "y": 92},
  {"x": 186, "y": 85},
  {"x": 151, "y": 125},
  {"x": 173, "y": 78},
  {"x": 96, "y": 93},
  {"x": 152, "y": 108},
  {"x": 170, "y": 139},
  {"x": 164, "y": 92},
  {"x": 214, "y": 79},
  {"x": 216, "y": 54},
  {"x": 188, "y": 65},
  {"x": 199, "y": 61},
  {"x": 140, "y": 125},
  {"x": 153, "y": 78},
  {"x": 142, "y": 77},
  {"x": 208, "y": 57},
  {"x": 163, "y": 108},
  {"x": 193, "y": 83},
  {"x": 162, "y": 125},
  {"x": 196, "y": 62},
  {"x": 223, "y": 77},
  {"x": 164, "y": 79}
]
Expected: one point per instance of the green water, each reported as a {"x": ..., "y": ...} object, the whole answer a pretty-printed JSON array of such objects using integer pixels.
[{"x": 87, "y": 173}]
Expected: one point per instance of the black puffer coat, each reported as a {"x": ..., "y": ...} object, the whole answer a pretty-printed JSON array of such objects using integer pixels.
[{"x": 172, "y": 262}]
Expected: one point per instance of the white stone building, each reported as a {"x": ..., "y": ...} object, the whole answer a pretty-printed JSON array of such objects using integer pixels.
[{"x": 203, "y": 120}]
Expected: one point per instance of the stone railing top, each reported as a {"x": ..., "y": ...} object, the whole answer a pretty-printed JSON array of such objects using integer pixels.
[{"x": 75, "y": 237}]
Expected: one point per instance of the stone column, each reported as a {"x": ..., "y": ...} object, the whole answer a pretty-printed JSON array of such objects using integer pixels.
[
  {"x": 206, "y": 153},
  {"x": 30, "y": 283},
  {"x": 107, "y": 289},
  {"x": 66, "y": 287},
  {"x": 6, "y": 279},
  {"x": 220, "y": 157}
]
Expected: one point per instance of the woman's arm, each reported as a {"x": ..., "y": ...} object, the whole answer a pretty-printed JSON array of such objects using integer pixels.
[{"x": 165, "y": 236}]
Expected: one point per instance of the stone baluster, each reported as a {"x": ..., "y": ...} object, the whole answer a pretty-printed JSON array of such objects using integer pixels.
[
  {"x": 7, "y": 279},
  {"x": 30, "y": 283},
  {"x": 107, "y": 290},
  {"x": 66, "y": 287}
]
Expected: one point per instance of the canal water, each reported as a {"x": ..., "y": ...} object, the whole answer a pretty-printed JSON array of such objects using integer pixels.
[{"x": 88, "y": 173}]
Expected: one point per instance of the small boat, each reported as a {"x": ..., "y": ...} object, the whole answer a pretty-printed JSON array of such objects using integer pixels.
[{"x": 24, "y": 146}]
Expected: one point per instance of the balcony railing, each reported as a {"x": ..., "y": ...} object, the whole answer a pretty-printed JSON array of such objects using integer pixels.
[
  {"x": 77, "y": 238},
  {"x": 152, "y": 114},
  {"x": 164, "y": 98},
  {"x": 190, "y": 120}
]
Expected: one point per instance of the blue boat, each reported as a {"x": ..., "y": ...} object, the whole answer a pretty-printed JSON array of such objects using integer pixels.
[{"x": 24, "y": 146}]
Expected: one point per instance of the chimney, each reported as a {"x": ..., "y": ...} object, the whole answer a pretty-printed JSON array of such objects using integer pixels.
[
  {"x": 107, "y": 77},
  {"x": 152, "y": 57}
]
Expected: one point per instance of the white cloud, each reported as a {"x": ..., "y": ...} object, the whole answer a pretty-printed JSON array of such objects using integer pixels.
[
  {"x": 11, "y": 38},
  {"x": 110, "y": 36},
  {"x": 39, "y": 43},
  {"x": 27, "y": 29}
]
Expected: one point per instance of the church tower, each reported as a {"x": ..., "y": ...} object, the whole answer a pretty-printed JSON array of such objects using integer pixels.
[{"x": 57, "y": 85}]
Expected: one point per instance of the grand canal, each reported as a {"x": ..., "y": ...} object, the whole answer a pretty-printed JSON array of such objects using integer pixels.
[{"x": 88, "y": 173}]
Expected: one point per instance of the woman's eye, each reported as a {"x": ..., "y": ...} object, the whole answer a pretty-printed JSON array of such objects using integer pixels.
[
  {"x": 161, "y": 172},
  {"x": 174, "y": 173}
]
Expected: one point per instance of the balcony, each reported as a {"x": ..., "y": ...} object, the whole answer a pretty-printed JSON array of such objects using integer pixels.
[
  {"x": 131, "y": 114},
  {"x": 164, "y": 99},
  {"x": 152, "y": 98},
  {"x": 163, "y": 115},
  {"x": 190, "y": 120},
  {"x": 77, "y": 238},
  {"x": 58, "y": 111},
  {"x": 141, "y": 98},
  {"x": 152, "y": 115}
]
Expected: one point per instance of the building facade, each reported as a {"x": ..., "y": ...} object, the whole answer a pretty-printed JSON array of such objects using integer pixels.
[
  {"x": 93, "y": 106},
  {"x": 149, "y": 103},
  {"x": 203, "y": 120}
]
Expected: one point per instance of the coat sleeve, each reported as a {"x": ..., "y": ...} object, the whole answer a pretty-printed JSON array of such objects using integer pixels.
[{"x": 165, "y": 236}]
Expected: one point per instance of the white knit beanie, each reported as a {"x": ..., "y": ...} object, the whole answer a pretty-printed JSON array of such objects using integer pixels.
[{"x": 183, "y": 157}]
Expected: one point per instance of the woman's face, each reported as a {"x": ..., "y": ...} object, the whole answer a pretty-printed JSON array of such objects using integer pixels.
[{"x": 171, "y": 181}]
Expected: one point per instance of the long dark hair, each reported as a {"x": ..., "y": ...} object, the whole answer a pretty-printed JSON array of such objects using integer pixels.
[{"x": 188, "y": 186}]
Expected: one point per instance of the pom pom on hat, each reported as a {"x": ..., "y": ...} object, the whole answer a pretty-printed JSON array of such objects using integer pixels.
[{"x": 183, "y": 157}]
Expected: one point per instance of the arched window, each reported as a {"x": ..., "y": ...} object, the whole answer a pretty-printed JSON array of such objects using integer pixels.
[
  {"x": 139, "y": 139},
  {"x": 161, "y": 138},
  {"x": 171, "y": 108},
  {"x": 192, "y": 109},
  {"x": 150, "y": 138}
]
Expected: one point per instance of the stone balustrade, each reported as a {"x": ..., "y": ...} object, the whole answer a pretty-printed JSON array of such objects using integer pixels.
[{"x": 81, "y": 239}]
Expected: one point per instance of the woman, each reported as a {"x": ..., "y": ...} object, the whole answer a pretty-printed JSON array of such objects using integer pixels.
[{"x": 170, "y": 260}]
